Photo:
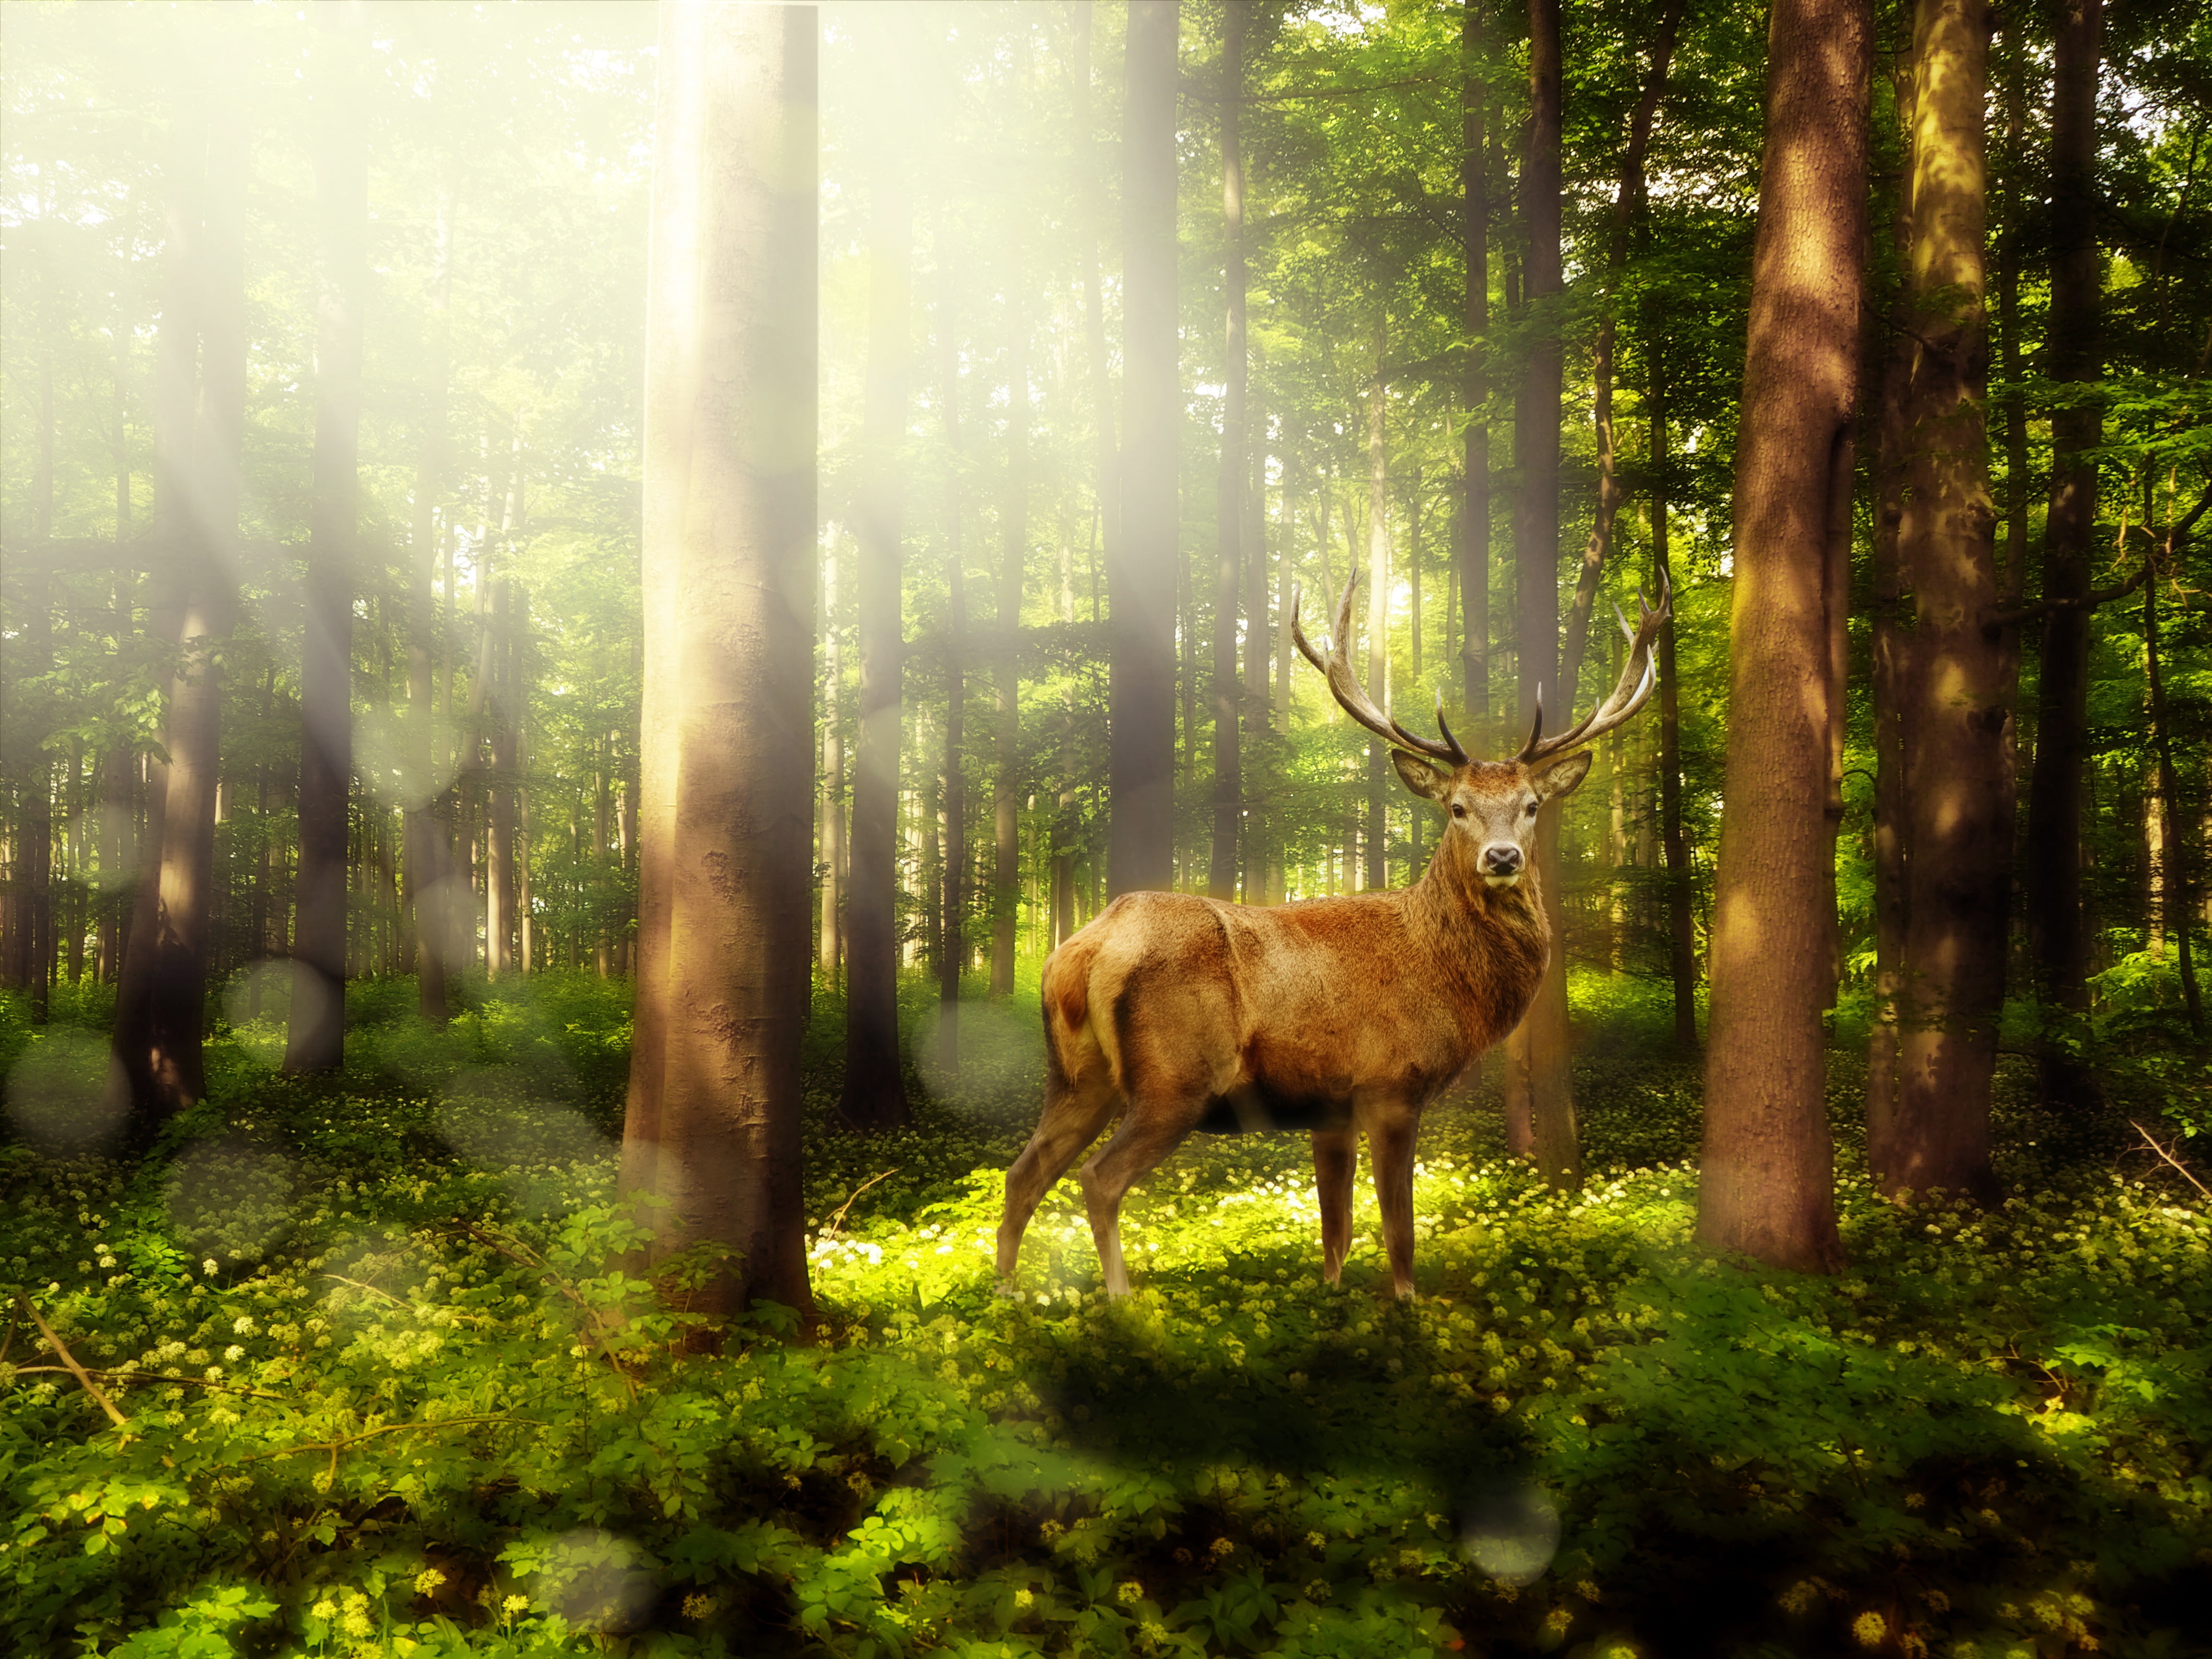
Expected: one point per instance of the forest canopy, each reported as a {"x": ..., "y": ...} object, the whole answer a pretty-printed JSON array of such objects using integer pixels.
[{"x": 611, "y": 615}]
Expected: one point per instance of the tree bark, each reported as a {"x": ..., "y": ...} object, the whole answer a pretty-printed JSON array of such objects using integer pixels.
[
  {"x": 1955, "y": 733},
  {"x": 730, "y": 491},
  {"x": 954, "y": 962},
  {"x": 316, "y": 1038},
  {"x": 160, "y": 1007},
  {"x": 1005, "y": 668},
  {"x": 1681, "y": 922},
  {"x": 1379, "y": 604},
  {"x": 1142, "y": 569},
  {"x": 1473, "y": 538},
  {"x": 1767, "y": 1189},
  {"x": 505, "y": 712},
  {"x": 425, "y": 850},
  {"x": 829, "y": 949},
  {"x": 1537, "y": 1048},
  {"x": 1229, "y": 485},
  {"x": 874, "y": 1093},
  {"x": 2051, "y": 871}
]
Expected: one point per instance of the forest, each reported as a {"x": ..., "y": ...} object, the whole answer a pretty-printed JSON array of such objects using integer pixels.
[{"x": 1542, "y": 660}]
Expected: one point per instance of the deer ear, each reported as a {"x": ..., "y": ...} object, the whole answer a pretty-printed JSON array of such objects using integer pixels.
[
  {"x": 1418, "y": 775},
  {"x": 1559, "y": 778}
]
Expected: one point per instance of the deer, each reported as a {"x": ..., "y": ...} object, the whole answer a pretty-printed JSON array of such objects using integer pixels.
[{"x": 1342, "y": 1017}]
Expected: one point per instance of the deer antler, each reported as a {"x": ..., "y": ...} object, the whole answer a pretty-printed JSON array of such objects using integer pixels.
[
  {"x": 1628, "y": 696},
  {"x": 1355, "y": 702}
]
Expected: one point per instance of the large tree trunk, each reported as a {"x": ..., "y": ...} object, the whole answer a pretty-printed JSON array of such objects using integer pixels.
[
  {"x": 1005, "y": 668},
  {"x": 159, "y": 1008},
  {"x": 874, "y": 1095},
  {"x": 1954, "y": 731},
  {"x": 1229, "y": 485},
  {"x": 1473, "y": 539},
  {"x": 2058, "y": 935},
  {"x": 425, "y": 851},
  {"x": 316, "y": 1039},
  {"x": 1538, "y": 1049},
  {"x": 1767, "y": 1189},
  {"x": 1142, "y": 569},
  {"x": 729, "y": 538}
]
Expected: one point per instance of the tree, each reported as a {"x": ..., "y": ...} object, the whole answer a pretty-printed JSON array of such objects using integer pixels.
[
  {"x": 1767, "y": 1188},
  {"x": 874, "y": 1095},
  {"x": 1142, "y": 674},
  {"x": 2051, "y": 871},
  {"x": 160, "y": 1004},
  {"x": 1474, "y": 526},
  {"x": 1935, "y": 1048},
  {"x": 316, "y": 1040},
  {"x": 715, "y": 1104},
  {"x": 427, "y": 847},
  {"x": 1230, "y": 483}
]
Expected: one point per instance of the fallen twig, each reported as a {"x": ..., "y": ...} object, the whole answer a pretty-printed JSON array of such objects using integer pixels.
[
  {"x": 334, "y": 1447},
  {"x": 155, "y": 1377},
  {"x": 837, "y": 1219},
  {"x": 2187, "y": 1174},
  {"x": 69, "y": 1359}
]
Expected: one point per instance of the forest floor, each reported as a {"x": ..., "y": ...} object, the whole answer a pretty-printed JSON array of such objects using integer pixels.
[{"x": 385, "y": 1387}]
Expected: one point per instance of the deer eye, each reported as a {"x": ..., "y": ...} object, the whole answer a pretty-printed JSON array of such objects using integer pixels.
[
  {"x": 1533, "y": 806},
  {"x": 1458, "y": 811}
]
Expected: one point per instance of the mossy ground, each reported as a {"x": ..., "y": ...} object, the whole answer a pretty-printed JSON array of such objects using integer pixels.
[{"x": 390, "y": 1390}]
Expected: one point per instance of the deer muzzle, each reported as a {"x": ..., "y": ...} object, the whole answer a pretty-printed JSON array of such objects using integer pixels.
[{"x": 1501, "y": 865}]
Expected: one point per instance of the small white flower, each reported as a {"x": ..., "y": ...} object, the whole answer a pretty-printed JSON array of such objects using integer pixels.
[
  {"x": 208, "y": 1266},
  {"x": 233, "y": 1353}
]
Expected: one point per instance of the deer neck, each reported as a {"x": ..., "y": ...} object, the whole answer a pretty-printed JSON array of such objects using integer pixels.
[{"x": 1465, "y": 911}]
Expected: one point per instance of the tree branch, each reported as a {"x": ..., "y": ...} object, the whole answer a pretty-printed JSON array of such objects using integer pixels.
[{"x": 69, "y": 1359}]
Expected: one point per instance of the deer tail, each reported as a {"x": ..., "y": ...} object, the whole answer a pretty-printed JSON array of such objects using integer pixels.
[{"x": 1067, "y": 1002}]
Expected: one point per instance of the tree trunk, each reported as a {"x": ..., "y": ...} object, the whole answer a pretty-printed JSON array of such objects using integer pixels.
[
  {"x": 426, "y": 852},
  {"x": 729, "y": 545},
  {"x": 1473, "y": 538},
  {"x": 874, "y": 1094},
  {"x": 829, "y": 949},
  {"x": 2051, "y": 873},
  {"x": 2173, "y": 864},
  {"x": 1141, "y": 672},
  {"x": 159, "y": 1007},
  {"x": 954, "y": 962},
  {"x": 1005, "y": 675},
  {"x": 505, "y": 712},
  {"x": 1681, "y": 922},
  {"x": 1539, "y": 1048},
  {"x": 1229, "y": 485},
  {"x": 1954, "y": 731},
  {"x": 316, "y": 1039},
  {"x": 1767, "y": 1189},
  {"x": 1379, "y": 604}
]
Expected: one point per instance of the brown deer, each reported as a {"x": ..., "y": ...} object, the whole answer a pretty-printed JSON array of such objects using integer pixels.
[{"x": 1337, "y": 1016}]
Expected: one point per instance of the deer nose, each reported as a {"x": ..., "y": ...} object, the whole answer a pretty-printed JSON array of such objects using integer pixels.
[{"x": 1501, "y": 859}]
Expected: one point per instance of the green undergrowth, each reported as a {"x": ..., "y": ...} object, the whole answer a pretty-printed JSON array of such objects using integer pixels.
[{"x": 392, "y": 1388}]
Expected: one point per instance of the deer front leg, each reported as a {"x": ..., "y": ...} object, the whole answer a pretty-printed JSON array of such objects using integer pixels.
[
  {"x": 1073, "y": 1114},
  {"x": 1145, "y": 1138},
  {"x": 1390, "y": 1142},
  {"x": 1336, "y": 1159}
]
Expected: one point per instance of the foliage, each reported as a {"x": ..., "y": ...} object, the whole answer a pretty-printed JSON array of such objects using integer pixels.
[{"x": 397, "y": 1382}]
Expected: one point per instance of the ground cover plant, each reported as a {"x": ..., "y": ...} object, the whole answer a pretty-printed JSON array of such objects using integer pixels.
[{"x": 389, "y": 1381}]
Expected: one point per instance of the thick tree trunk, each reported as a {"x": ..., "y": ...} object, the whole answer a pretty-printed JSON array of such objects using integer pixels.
[
  {"x": 1229, "y": 482},
  {"x": 316, "y": 1039},
  {"x": 874, "y": 1095},
  {"x": 1142, "y": 568},
  {"x": 828, "y": 954},
  {"x": 160, "y": 1007},
  {"x": 729, "y": 562},
  {"x": 1005, "y": 674},
  {"x": 2051, "y": 873},
  {"x": 1538, "y": 1049},
  {"x": 1954, "y": 731},
  {"x": 1767, "y": 1189}
]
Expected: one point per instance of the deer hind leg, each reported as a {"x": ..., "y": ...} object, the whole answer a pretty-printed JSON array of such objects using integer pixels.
[
  {"x": 1143, "y": 1138},
  {"x": 1074, "y": 1113},
  {"x": 1336, "y": 1159},
  {"x": 1390, "y": 1142}
]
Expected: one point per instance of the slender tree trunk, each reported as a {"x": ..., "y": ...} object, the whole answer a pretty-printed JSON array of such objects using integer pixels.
[
  {"x": 1539, "y": 1046},
  {"x": 1379, "y": 604},
  {"x": 499, "y": 833},
  {"x": 1474, "y": 528},
  {"x": 954, "y": 961},
  {"x": 2051, "y": 873},
  {"x": 2173, "y": 864},
  {"x": 160, "y": 1007},
  {"x": 426, "y": 851},
  {"x": 1141, "y": 675},
  {"x": 316, "y": 1039},
  {"x": 874, "y": 1095},
  {"x": 1955, "y": 724},
  {"x": 728, "y": 559},
  {"x": 1257, "y": 835},
  {"x": 829, "y": 953},
  {"x": 1768, "y": 1185},
  {"x": 1005, "y": 677},
  {"x": 1230, "y": 485},
  {"x": 1681, "y": 919}
]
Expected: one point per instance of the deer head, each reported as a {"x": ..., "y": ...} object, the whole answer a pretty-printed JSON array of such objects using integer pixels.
[{"x": 1492, "y": 804}]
